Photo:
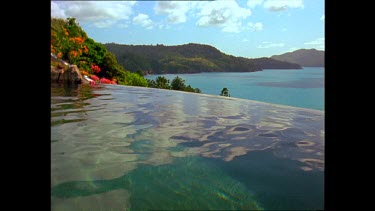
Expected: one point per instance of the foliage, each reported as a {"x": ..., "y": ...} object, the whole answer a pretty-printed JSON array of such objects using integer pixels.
[
  {"x": 190, "y": 89},
  {"x": 225, "y": 92},
  {"x": 162, "y": 82},
  {"x": 96, "y": 52},
  {"x": 134, "y": 79},
  {"x": 95, "y": 78},
  {"x": 178, "y": 83},
  {"x": 189, "y": 58},
  {"x": 139, "y": 72},
  {"x": 67, "y": 40},
  {"x": 106, "y": 81},
  {"x": 95, "y": 68},
  {"x": 109, "y": 66},
  {"x": 151, "y": 83},
  {"x": 70, "y": 43}
]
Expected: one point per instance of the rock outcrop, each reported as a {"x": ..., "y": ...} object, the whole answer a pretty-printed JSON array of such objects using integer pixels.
[
  {"x": 72, "y": 75},
  {"x": 65, "y": 72},
  {"x": 56, "y": 74}
]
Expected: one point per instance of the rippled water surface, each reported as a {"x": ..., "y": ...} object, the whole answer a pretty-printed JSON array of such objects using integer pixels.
[{"x": 129, "y": 148}]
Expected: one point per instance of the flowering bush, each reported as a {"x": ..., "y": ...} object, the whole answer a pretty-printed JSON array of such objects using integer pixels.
[
  {"x": 69, "y": 39},
  {"x": 95, "y": 68},
  {"x": 107, "y": 81},
  {"x": 70, "y": 43},
  {"x": 73, "y": 53},
  {"x": 85, "y": 50},
  {"x": 85, "y": 73},
  {"x": 59, "y": 55},
  {"x": 77, "y": 40},
  {"x": 95, "y": 78}
]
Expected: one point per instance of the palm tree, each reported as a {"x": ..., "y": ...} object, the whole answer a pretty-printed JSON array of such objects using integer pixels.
[{"x": 225, "y": 92}]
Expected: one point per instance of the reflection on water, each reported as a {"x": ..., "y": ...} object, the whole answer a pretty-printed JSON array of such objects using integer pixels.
[{"x": 140, "y": 149}]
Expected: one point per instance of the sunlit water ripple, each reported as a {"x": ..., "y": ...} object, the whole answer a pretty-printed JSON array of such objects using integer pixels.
[{"x": 117, "y": 147}]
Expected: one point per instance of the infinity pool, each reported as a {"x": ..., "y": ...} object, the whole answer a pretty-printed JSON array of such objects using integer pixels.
[{"x": 130, "y": 148}]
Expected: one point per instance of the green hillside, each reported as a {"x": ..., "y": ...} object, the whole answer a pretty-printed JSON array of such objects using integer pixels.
[
  {"x": 303, "y": 57},
  {"x": 188, "y": 58}
]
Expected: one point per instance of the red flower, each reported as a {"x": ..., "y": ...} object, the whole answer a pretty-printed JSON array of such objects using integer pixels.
[
  {"x": 105, "y": 81},
  {"x": 95, "y": 68},
  {"x": 86, "y": 50},
  {"x": 95, "y": 78}
]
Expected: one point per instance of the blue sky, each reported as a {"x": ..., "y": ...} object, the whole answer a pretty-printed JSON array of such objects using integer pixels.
[{"x": 247, "y": 28}]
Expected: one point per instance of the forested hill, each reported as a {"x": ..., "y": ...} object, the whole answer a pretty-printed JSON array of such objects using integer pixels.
[
  {"x": 303, "y": 57},
  {"x": 188, "y": 58}
]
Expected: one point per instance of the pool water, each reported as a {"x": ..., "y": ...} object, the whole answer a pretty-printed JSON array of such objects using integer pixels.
[{"x": 132, "y": 148}]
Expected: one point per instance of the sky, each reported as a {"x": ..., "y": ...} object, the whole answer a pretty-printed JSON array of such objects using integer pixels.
[{"x": 246, "y": 28}]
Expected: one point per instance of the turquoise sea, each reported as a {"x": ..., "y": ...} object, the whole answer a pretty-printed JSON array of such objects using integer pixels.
[
  {"x": 131, "y": 148},
  {"x": 300, "y": 88}
]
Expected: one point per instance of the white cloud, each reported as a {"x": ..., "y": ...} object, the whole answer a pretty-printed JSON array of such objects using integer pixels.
[
  {"x": 280, "y": 5},
  {"x": 255, "y": 26},
  {"x": 253, "y": 3},
  {"x": 245, "y": 40},
  {"x": 104, "y": 23},
  {"x": 292, "y": 49},
  {"x": 227, "y": 15},
  {"x": 175, "y": 10},
  {"x": 271, "y": 45},
  {"x": 317, "y": 44},
  {"x": 56, "y": 11},
  {"x": 99, "y": 13},
  {"x": 323, "y": 17},
  {"x": 143, "y": 20}
]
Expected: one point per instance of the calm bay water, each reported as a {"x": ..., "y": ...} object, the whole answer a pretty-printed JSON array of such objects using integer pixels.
[
  {"x": 300, "y": 88},
  {"x": 129, "y": 148}
]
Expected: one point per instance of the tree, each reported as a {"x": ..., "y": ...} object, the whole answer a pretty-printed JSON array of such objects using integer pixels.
[
  {"x": 225, "y": 92},
  {"x": 139, "y": 72},
  {"x": 108, "y": 65},
  {"x": 178, "y": 83},
  {"x": 151, "y": 83},
  {"x": 162, "y": 82},
  {"x": 133, "y": 79},
  {"x": 96, "y": 52}
]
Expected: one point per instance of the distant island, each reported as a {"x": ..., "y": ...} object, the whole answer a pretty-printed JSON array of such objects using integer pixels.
[
  {"x": 188, "y": 58},
  {"x": 303, "y": 57}
]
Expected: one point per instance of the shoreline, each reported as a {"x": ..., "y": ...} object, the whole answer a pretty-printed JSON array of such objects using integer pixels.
[{"x": 223, "y": 97}]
